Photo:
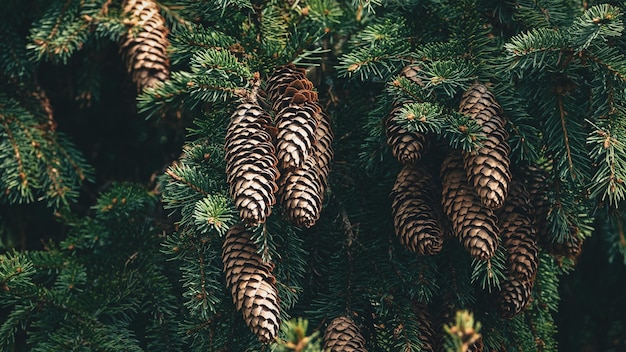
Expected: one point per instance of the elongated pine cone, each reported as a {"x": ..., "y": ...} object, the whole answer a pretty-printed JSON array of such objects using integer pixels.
[
  {"x": 414, "y": 217},
  {"x": 251, "y": 166},
  {"x": 323, "y": 149},
  {"x": 297, "y": 125},
  {"x": 146, "y": 43},
  {"x": 301, "y": 194},
  {"x": 488, "y": 167},
  {"x": 518, "y": 234},
  {"x": 473, "y": 222},
  {"x": 251, "y": 284},
  {"x": 514, "y": 296},
  {"x": 406, "y": 146},
  {"x": 342, "y": 335}
]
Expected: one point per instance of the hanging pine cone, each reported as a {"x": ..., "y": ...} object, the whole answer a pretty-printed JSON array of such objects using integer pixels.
[
  {"x": 488, "y": 167},
  {"x": 251, "y": 284},
  {"x": 342, "y": 335},
  {"x": 427, "y": 334},
  {"x": 323, "y": 150},
  {"x": 250, "y": 163},
  {"x": 301, "y": 194},
  {"x": 297, "y": 126},
  {"x": 518, "y": 234},
  {"x": 406, "y": 146},
  {"x": 514, "y": 296},
  {"x": 145, "y": 50},
  {"x": 474, "y": 224},
  {"x": 415, "y": 219}
]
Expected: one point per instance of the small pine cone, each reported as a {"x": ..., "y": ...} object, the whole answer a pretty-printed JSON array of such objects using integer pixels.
[
  {"x": 251, "y": 166},
  {"x": 301, "y": 194},
  {"x": 427, "y": 334},
  {"x": 296, "y": 134},
  {"x": 406, "y": 146},
  {"x": 518, "y": 233},
  {"x": 251, "y": 284},
  {"x": 415, "y": 219},
  {"x": 412, "y": 72},
  {"x": 281, "y": 78},
  {"x": 474, "y": 224},
  {"x": 145, "y": 51},
  {"x": 488, "y": 167},
  {"x": 323, "y": 146},
  {"x": 514, "y": 296},
  {"x": 518, "y": 237},
  {"x": 342, "y": 335}
]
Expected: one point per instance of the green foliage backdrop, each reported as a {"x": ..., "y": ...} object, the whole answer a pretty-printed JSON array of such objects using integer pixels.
[{"x": 114, "y": 201}]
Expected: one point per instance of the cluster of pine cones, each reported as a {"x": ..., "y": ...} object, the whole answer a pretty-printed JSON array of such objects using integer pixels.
[
  {"x": 287, "y": 159},
  {"x": 296, "y": 169},
  {"x": 479, "y": 202},
  {"x": 145, "y": 45}
]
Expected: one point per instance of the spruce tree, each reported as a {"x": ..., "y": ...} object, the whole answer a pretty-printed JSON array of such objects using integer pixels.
[{"x": 356, "y": 175}]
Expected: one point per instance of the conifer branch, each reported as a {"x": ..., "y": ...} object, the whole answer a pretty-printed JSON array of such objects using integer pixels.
[{"x": 181, "y": 180}]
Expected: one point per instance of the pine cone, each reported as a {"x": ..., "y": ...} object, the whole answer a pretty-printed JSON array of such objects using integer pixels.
[
  {"x": 488, "y": 167},
  {"x": 514, "y": 296},
  {"x": 406, "y": 146},
  {"x": 146, "y": 50},
  {"x": 251, "y": 284},
  {"x": 342, "y": 335},
  {"x": 537, "y": 185},
  {"x": 297, "y": 126},
  {"x": 475, "y": 224},
  {"x": 250, "y": 163},
  {"x": 518, "y": 234},
  {"x": 301, "y": 194},
  {"x": 323, "y": 150},
  {"x": 415, "y": 219}
]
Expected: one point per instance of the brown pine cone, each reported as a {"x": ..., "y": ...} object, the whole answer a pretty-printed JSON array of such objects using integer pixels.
[
  {"x": 251, "y": 284},
  {"x": 514, "y": 296},
  {"x": 518, "y": 237},
  {"x": 518, "y": 233},
  {"x": 301, "y": 194},
  {"x": 145, "y": 50},
  {"x": 297, "y": 125},
  {"x": 488, "y": 167},
  {"x": 474, "y": 224},
  {"x": 415, "y": 219},
  {"x": 342, "y": 335},
  {"x": 406, "y": 146},
  {"x": 323, "y": 149},
  {"x": 251, "y": 166}
]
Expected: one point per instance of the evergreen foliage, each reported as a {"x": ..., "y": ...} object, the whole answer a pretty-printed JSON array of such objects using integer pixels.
[{"x": 156, "y": 270}]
